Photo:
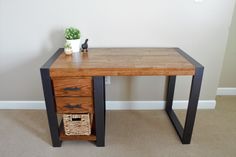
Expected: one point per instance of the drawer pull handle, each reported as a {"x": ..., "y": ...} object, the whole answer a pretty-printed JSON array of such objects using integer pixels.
[
  {"x": 76, "y": 119},
  {"x": 72, "y": 88},
  {"x": 72, "y": 106}
]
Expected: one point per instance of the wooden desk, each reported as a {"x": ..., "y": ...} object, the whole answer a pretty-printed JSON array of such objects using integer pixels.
[{"x": 101, "y": 62}]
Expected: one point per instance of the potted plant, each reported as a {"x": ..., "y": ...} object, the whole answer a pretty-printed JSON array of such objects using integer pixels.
[
  {"x": 67, "y": 48},
  {"x": 72, "y": 36}
]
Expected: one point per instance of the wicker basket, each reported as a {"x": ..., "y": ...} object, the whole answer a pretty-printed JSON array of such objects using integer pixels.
[{"x": 77, "y": 124}]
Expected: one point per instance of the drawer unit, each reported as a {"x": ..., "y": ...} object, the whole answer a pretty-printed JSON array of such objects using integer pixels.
[
  {"x": 74, "y": 104},
  {"x": 74, "y": 96},
  {"x": 72, "y": 86}
]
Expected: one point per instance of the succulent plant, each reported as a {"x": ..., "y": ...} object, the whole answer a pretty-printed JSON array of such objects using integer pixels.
[
  {"x": 72, "y": 33},
  {"x": 67, "y": 46}
]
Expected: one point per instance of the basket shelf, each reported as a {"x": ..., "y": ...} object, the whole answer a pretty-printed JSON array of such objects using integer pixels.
[{"x": 63, "y": 136}]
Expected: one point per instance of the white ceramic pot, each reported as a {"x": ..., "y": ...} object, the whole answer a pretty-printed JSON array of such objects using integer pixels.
[
  {"x": 75, "y": 45},
  {"x": 68, "y": 51}
]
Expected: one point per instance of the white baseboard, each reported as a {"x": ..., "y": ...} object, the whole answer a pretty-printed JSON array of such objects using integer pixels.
[
  {"x": 226, "y": 91},
  {"x": 22, "y": 105},
  {"x": 114, "y": 105},
  {"x": 156, "y": 105}
]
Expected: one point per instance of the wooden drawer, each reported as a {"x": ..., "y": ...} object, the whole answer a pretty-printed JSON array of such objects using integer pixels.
[
  {"x": 74, "y": 104},
  {"x": 73, "y": 86}
]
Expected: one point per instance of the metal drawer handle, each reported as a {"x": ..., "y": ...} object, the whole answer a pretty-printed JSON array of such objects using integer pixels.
[
  {"x": 72, "y": 106},
  {"x": 76, "y": 119},
  {"x": 72, "y": 88}
]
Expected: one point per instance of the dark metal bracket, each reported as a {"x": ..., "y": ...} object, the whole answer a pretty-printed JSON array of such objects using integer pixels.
[
  {"x": 49, "y": 100},
  {"x": 185, "y": 133},
  {"x": 100, "y": 109}
]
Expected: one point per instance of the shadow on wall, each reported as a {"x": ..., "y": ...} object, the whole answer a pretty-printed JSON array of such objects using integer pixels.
[{"x": 27, "y": 84}]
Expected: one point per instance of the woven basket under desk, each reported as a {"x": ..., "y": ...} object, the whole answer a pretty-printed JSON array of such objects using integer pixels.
[{"x": 77, "y": 124}]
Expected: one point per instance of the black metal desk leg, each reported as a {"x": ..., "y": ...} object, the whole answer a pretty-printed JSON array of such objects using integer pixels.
[
  {"x": 50, "y": 105},
  {"x": 170, "y": 92},
  {"x": 169, "y": 103},
  {"x": 185, "y": 133},
  {"x": 100, "y": 109},
  {"x": 192, "y": 105}
]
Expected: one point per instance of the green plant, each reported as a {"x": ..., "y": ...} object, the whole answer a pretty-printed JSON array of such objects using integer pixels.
[
  {"x": 67, "y": 45},
  {"x": 72, "y": 33}
]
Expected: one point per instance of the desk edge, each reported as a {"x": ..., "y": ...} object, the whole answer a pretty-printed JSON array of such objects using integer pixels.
[{"x": 51, "y": 60}]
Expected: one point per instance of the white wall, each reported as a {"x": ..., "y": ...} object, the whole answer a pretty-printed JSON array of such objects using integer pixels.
[
  {"x": 228, "y": 74},
  {"x": 31, "y": 31}
]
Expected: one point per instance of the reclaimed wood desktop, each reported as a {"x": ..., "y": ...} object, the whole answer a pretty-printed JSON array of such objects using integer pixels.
[{"x": 101, "y": 62}]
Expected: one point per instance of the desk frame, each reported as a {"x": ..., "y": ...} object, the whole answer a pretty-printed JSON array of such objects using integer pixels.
[{"x": 185, "y": 133}]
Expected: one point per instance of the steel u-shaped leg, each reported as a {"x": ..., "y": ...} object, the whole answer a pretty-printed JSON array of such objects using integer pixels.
[{"x": 185, "y": 133}]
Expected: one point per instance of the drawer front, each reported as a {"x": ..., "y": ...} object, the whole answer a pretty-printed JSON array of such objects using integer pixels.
[
  {"x": 73, "y": 87},
  {"x": 74, "y": 104}
]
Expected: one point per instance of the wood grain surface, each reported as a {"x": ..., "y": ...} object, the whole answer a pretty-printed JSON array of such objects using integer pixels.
[
  {"x": 74, "y": 104},
  {"x": 122, "y": 62},
  {"x": 72, "y": 86}
]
